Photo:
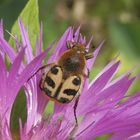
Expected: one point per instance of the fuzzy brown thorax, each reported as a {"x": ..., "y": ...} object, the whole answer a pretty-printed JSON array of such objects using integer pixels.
[{"x": 73, "y": 61}]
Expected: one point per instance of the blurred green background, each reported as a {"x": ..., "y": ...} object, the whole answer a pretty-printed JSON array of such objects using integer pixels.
[{"x": 118, "y": 22}]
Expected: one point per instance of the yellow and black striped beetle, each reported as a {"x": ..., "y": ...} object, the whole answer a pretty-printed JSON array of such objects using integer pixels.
[{"x": 64, "y": 79}]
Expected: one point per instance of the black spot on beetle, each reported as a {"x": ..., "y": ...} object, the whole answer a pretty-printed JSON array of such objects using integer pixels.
[
  {"x": 70, "y": 92},
  {"x": 76, "y": 81},
  {"x": 50, "y": 82},
  {"x": 64, "y": 100},
  {"x": 54, "y": 70},
  {"x": 47, "y": 92}
]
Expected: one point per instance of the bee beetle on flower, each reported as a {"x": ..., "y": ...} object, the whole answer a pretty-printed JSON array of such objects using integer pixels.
[{"x": 63, "y": 80}]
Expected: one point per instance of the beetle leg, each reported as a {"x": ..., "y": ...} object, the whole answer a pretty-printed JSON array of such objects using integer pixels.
[
  {"x": 75, "y": 107},
  {"x": 42, "y": 67},
  {"x": 89, "y": 56},
  {"x": 75, "y": 116}
]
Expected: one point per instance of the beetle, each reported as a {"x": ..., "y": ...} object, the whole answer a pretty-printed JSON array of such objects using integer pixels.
[{"x": 63, "y": 80}]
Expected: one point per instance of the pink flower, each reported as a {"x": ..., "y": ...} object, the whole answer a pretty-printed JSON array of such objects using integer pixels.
[{"x": 99, "y": 109}]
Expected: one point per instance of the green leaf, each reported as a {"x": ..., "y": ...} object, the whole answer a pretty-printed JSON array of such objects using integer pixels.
[
  {"x": 49, "y": 108},
  {"x": 30, "y": 19},
  {"x": 19, "y": 110}
]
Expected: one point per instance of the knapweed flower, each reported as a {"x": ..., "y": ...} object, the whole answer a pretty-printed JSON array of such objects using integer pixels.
[{"x": 100, "y": 109}]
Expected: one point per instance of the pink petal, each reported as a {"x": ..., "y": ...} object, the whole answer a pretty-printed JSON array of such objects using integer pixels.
[
  {"x": 103, "y": 78},
  {"x": 76, "y": 34},
  {"x": 15, "y": 66},
  {"x": 61, "y": 46},
  {"x": 95, "y": 53},
  {"x": 3, "y": 76},
  {"x": 26, "y": 41},
  {"x": 89, "y": 43},
  {"x": 32, "y": 67},
  {"x": 6, "y": 48}
]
